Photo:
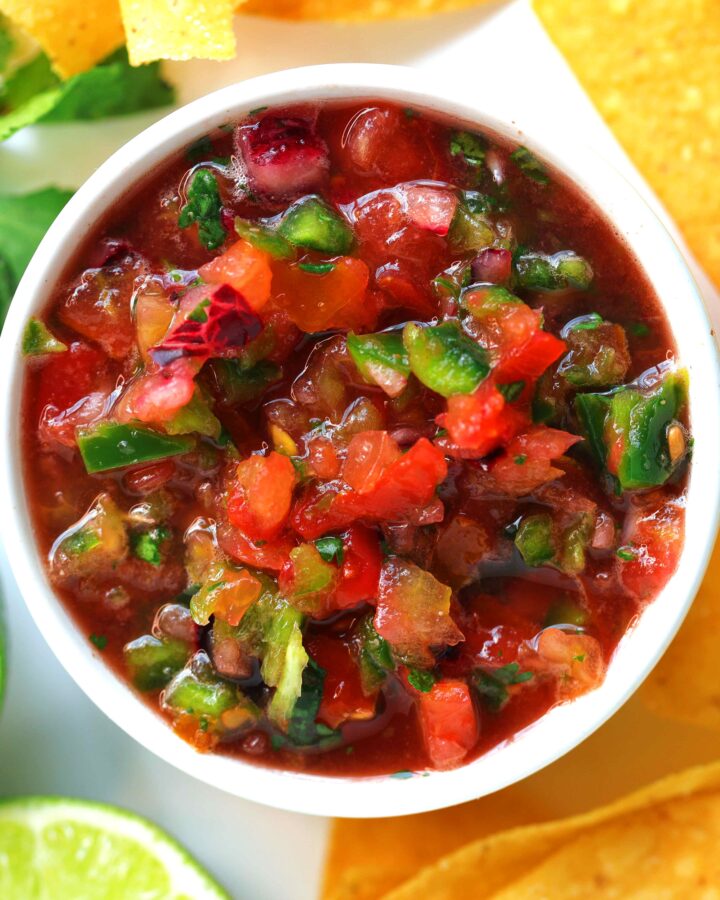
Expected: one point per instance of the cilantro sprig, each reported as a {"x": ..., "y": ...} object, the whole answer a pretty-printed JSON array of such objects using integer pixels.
[{"x": 203, "y": 208}]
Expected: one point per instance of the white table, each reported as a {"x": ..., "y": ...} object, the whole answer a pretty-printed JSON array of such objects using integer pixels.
[{"x": 52, "y": 739}]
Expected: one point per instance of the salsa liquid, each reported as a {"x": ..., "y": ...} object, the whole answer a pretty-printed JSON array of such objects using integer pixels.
[{"x": 429, "y": 223}]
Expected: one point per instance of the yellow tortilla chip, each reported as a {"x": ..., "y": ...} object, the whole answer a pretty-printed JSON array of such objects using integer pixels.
[
  {"x": 74, "y": 35},
  {"x": 668, "y": 851},
  {"x": 354, "y": 10},
  {"x": 486, "y": 868},
  {"x": 178, "y": 29},
  {"x": 652, "y": 67},
  {"x": 685, "y": 684}
]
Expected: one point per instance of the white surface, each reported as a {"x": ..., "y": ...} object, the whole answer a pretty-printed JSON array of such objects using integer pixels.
[{"x": 53, "y": 740}]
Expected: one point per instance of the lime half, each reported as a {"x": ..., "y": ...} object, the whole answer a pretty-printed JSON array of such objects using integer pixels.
[{"x": 57, "y": 849}]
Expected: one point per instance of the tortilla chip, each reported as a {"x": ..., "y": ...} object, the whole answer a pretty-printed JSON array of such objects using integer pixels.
[
  {"x": 74, "y": 35},
  {"x": 486, "y": 868},
  {"x": 652, "y": 67},
  {"x": 354, "y": 10},
  {"x": 178, "y": 29},
  {"x": 685, "y": 684}
]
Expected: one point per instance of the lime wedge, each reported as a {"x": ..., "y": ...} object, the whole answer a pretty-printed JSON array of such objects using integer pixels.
[{"x": 52, "y": 848}]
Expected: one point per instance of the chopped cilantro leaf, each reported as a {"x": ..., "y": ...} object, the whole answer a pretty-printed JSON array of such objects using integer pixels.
[
  {"x": 626, "y": 554},
  {"x": 203, "y": 207},
  {"x": 492, "y": 684},
  {"x": 410, "y": 113},
  {"x": 146, "y": 546},
  {"x": 330, "y": 549},
  {"x": 638, "y": 329},
  {"x": 470, "y": 146},
  {"x": 511, "y": 391},
  {"x": 99, "y": 640},
  {"x": 520, "y": 459},
  {"x": 530, "y": 165}
]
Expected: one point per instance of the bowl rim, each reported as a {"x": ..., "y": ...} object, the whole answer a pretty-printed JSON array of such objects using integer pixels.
[{"x": 559, "y": 730}]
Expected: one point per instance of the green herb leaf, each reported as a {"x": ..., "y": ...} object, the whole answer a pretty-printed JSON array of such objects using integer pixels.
[
  {"x": 34, "y": 93},
  {"x": 330, "y": 549},
  {"x": 470, "y": 146},
  {"x": 492, "y": 684},
  {"x": 203, "y": 208},
  {"x": 421, "y": 680},
  {"x": 24, "y": 219},
  {"x": 147, "y": 546},
  {"x": 511, "y": 391},
  {"x": 530, "y": 165},
  {"x": 303, "y": 730},
  {"x": 99, "y": 640}
]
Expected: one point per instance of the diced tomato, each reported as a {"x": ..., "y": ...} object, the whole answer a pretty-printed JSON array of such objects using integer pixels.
[
  {"x": 481, "y": 421},
  {"x": 323, "y": 459},
  {"x": 404, "y": 489},
  {"x": 245, "y": 268},
  {"x": 526, "y": 463},
  {"x": 65, "y": 378},
  {"x": 283, "y": 156},
  {"x": 343, "y": 698},
  {"x": 574, "y": 660},
  {"x": 389, "y": 145},
  {"x": 260, "y": 495},
  {"x": 98, "y": 307},
  {"x": 157, "y": 396},
  {"x": 430, "y": 207},
  {"x": 653, "y": 537},
  {"x": 263, "y": 554},
  {"x": 368, "y": 457},
  {"x": 401, "y": 291},
  {"x": 360, "y": 570},
  {"x": 316, "y": 302},
  {"x": 413, "y": 613},
  {"x": 527, "y": 363},
  {"x": 448, "y": 721},
  {"x": 308, "y": 581}
]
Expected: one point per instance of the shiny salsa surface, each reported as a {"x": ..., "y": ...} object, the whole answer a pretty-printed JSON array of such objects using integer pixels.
[{"x": 355, "y": 440}]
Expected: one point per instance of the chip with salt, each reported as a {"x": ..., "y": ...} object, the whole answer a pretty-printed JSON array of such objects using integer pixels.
[
  {"x": 666, "y": 832},
  {"x": 353, "y": 10},
  {"x": 74, "y": 35},
  {"x": 684, "y": 685},
  {"x": 652, "y": 67},
  {"x": 178, "y": 29}
]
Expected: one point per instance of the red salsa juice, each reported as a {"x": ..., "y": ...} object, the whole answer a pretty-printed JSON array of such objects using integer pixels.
[{"x": 354, "y": 440}]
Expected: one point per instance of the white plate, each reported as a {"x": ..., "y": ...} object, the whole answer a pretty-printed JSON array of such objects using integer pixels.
[{"x": 53, "y": 740}]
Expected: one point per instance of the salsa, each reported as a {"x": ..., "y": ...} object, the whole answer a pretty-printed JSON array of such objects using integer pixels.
[{"x": 355, "y": 440}]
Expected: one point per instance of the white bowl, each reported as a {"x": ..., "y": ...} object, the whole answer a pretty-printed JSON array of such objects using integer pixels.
[{"x": 563, "y": 727}]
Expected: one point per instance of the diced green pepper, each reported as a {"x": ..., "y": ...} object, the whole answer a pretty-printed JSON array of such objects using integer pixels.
[
  {"x": 381, "y": 359},
  {"x": 560, "y": 272},
  {"x": 492, "y": 683},
  {"x": 238, "y": 383},
  {"x": 627, "y": 430},
  {"x": 198, "y": 691},
  {"x": 444, "y": 358},
  {"x": 264, "y": 239},
  {"x": 312, "y": 224},
  {"x": 470, "y": 231},
  {"x": 111, "y": 446},
  {"x": 196, "y": 417},
  {"x": 373, "y": 655},
  {"x": 37, "y": 340},
  {"x": 574, "y": 542},
  {"x": 152, "y": 661},
  {"x": 95, "y": 543},
  {"x": 535, "y": 539}
]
